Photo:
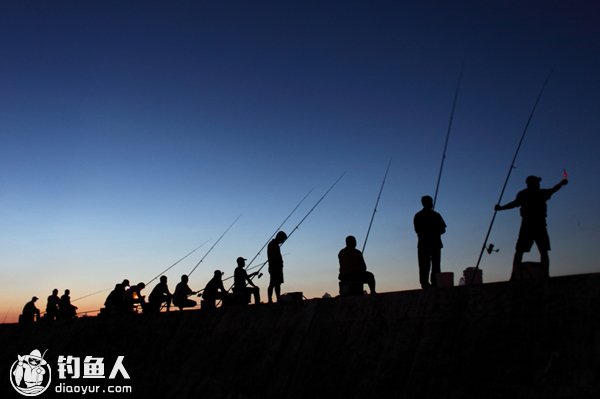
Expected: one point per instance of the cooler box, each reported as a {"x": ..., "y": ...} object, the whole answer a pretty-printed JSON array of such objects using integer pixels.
[
  {"x": 444, "y": 279},
  {"x": 472, "y": 278}
]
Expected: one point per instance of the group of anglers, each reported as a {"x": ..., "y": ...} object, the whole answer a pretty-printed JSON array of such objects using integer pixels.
[
  {"x": 429, "y": 227},
  {"x": 57, "y": 308}
]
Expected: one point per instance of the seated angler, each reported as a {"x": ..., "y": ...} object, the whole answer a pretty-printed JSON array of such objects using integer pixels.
[
  {"x": 181, "y": 294},
  {"x": 52, "y": 310},
  {"x": 214, "y": 289},
  {"x": 30, "y": 312},
  {"x": 133, "y": 296},
  {"x": 67, "y": 310},
  {"x": 114, "y": 301},
  {"x": 241, "y": 278},
  {"x": 353, "y": 268},
  {"x": 159, "y": 295}
]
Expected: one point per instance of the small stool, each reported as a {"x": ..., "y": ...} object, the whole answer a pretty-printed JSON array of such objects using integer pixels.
[{"x": 348, "y": 288}]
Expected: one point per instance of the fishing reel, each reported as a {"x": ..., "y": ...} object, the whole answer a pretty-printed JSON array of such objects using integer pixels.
[{"x": 490, "y": 249}]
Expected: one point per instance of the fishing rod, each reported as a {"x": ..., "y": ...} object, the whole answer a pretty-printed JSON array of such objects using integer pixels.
[
  {"x": 180, "y": 260},
  {"x": 512, "y": 166},
  {"x": 437, "y": 186},
  {"x": 216, "y": 242},
  {"x": 174, "y": 264},
  {"x": 316, "y": 204},
  {"x": 309, "y": 212},
  {"x": 376, "y": 203},
  {"x": 279, "y": 228}
]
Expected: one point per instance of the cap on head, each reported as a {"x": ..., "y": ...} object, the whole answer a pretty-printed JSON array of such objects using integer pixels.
[
  {"x": 35, "y": 298},
  {"x": 240, "y": 260},
  {"x": 218, "y": 273},
  {"x": 184, "y": 277},
  {"x": 532, "y": 180}
]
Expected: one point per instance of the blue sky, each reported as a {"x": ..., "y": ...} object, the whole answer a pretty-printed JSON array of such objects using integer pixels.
[{"x": 131, "y": 132}]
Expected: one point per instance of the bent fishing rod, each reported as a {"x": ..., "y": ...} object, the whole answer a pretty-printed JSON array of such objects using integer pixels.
[
  {"x": 216, "y": 242},
  {"x": 376, "y": 204},
  {"x": 510, "y": 169},
  {"x": 309, "y": 212},
  {"x": 437, "y": 185},
  {"x": 279, "y": 228}
]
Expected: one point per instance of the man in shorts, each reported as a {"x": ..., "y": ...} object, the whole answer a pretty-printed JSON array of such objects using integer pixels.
[{"x": 532, "y": 202}]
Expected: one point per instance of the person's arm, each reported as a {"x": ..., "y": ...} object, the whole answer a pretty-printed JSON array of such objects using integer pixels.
[
  {"x": 442, "y": 225},
  {"x": 363, "y": 264},
  {"x": 248, "y": 278},
  {"x": 510, "y": 205},
  {"x": 557, "y": 187}
]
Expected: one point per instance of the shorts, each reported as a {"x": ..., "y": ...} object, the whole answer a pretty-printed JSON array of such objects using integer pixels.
[
  {"x": 276, "y": 276},
  {"x": 530, "y": 234}
]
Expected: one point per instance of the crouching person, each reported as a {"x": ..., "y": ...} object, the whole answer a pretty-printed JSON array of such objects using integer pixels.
[
  {"x": 181, "y": 294},
  {"x": 214, "y": 290}
]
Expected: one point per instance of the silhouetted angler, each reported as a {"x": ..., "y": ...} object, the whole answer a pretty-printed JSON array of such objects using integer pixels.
[
  {"x": 67, "y": 310},
  {"x": 429, "y": 227},
  {"x": 241, "y": 278},
  {"x": 30, "y": 312},
  {"x": 159, "y": 295},
  {"x": 133, "y": 297},
  {"x": 114, "y": 300},
  {"x": 182, "y": 291},
  {"x": 214, "y": 289},
  {"x": 353, "y": 269},
  {"x": 275, "y": 266},
  {"x": 52, "y": 305},
  {"x": 532, "y": 201}
]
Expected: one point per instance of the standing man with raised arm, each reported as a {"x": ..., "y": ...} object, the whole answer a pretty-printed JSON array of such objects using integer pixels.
[{"x": 532, "y": 202}]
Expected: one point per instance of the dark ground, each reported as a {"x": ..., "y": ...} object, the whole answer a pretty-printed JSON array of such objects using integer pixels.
[{"x": 500, "y": 340}]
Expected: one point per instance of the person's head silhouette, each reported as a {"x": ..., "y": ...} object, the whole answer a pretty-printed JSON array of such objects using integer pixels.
[
  {"x": 351, "y": 242},
  {"x": 427, "y": 202}
]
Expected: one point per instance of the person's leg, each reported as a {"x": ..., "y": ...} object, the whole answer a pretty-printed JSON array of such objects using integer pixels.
[
  {"x": 256, "y": 293},
  {"x": 516, "y": 271},
  {"x": 424, "y": 266},
  {"x": 277, "y": 291},
  {"x": 369, "y": 278},
  {"x": 436, "y": 256},
  {"x": 270, "y": 293}
]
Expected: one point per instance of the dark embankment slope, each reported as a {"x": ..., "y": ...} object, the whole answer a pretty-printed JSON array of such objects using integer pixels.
[{"x": 500, "y": 340}]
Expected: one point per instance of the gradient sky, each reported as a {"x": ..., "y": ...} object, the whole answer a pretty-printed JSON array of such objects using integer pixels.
[{"x": 133, "y": 131}]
